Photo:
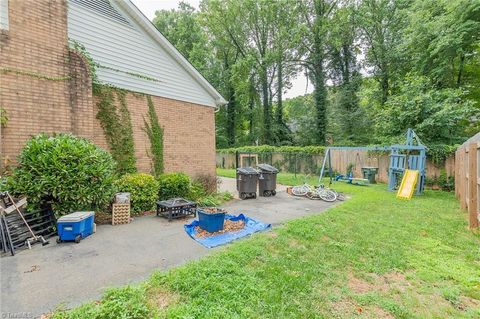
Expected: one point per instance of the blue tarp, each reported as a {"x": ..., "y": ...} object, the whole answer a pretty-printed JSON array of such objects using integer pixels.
[{"x": 251, "y": 226}]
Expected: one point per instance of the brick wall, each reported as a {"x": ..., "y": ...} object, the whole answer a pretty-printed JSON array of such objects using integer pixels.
[
  {"x": 37, "y": 42},
  {"x": 189, "y": 134}
]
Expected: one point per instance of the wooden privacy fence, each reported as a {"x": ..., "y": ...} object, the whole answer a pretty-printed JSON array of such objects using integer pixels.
[
  {"x": 467, "y": 179},
  {"x": 341, "y": 159}
]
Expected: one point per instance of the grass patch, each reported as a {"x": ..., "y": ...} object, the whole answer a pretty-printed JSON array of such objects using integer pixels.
[{"x": 372, "y": 256}]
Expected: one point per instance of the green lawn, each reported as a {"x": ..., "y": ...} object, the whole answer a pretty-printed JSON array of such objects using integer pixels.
[{"x": 372, "y": 256}]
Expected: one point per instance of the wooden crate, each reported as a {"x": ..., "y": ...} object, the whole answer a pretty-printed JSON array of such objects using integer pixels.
[{"x": 120, "y": 214}]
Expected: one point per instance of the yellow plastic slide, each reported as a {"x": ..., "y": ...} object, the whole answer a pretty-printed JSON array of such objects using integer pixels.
[{"x": 407, "y": 187}]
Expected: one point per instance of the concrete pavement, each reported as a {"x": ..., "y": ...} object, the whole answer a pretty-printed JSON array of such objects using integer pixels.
[{"x": 36, "y": 281}]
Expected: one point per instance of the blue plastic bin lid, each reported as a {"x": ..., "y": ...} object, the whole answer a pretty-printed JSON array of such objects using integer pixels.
[{"x": 75, "y": 217}]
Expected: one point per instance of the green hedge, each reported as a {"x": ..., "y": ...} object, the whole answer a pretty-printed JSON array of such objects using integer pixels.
[
  {"x": 173, "y": 185},
  {"x": 438, "y": 153},
  {"x": 143, "y": 189},
  {"x": 277, "y": 149},
  {"x": 68, "y": 172}
]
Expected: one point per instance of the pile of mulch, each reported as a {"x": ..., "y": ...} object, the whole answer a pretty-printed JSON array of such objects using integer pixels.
[
  {"x": 229, "y": 226},
  {"x": 213, "y": 210}
]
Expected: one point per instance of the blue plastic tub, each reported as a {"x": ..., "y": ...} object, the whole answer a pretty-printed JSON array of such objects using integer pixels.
[
  {"x": 211, "y": 222},
  {"x": 75, "y": 226}
]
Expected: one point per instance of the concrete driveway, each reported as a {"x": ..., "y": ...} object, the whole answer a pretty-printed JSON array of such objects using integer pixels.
[{"x": 36, "y": 281}]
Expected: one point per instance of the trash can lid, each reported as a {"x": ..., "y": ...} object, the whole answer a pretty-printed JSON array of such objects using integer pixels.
[
  {"x": 75, "y": 217},
  {"x": 267, "y": 168},
  {"x": 247, "y": 170}
]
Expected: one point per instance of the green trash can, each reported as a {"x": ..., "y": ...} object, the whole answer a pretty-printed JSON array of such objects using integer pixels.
[{"x": 369, "y": 173}]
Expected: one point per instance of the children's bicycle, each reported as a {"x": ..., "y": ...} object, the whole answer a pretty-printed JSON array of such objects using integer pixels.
[{"x": 319, "y": 192}]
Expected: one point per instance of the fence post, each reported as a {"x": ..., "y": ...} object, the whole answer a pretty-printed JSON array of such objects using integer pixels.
[
  {"x": 464, "y": 178},
  {"x": 472, "y": 185}
]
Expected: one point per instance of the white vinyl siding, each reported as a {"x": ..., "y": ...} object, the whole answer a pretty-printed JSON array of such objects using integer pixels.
[
  {"x": 4, "y": 14},
  {"x": 126, "y": 48}
]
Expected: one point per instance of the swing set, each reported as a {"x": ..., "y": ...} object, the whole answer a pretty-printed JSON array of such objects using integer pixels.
[{"x": 404, "y": 158}]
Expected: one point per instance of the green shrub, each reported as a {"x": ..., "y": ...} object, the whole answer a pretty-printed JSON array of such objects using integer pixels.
[
  {"x": 68, "y": 172},
  {"x": 143, "y": 189},
  {"x": 197, "y": 191},
  {"x": 174, "y": 185}
]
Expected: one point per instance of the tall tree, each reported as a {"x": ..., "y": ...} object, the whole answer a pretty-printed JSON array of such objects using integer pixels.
[
  {"x": 316, "y": 16},
  {"x": 442, "y": 56},
  {"x": 343, "y": 71},
  {"x": 382, "y": 22}
]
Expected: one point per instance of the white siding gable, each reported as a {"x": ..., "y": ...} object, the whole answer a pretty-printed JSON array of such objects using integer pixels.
[
  {"x": 4, "y": 14},
  {"x": 125, "y": 53}
]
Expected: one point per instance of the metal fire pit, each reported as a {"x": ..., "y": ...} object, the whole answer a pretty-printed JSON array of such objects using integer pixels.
[{"x": 176, "y": 208}]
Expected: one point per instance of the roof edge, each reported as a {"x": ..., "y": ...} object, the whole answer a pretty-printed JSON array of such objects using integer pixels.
[{"x": 148, "y": 26}]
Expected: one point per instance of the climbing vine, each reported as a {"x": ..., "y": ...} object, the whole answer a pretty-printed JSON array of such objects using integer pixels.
[
  {"x": 33, "y": 74},
  {"x": 155, "y": 135},
  {"x": 92, "y": 65},
  {"x": 117, "y": 126},
  {"x": 3, "y": 117}
]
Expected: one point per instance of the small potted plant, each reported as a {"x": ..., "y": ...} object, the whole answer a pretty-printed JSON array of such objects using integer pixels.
[{"x": 211, "y": 219}]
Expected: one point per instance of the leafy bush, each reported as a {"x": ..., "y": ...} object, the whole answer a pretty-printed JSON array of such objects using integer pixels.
[
  {"x": 173, "y": 185},
  {"x": 68, "y": 172},
  {"x": 214, "y": 199},
  {"x": 143, "y": 189},
  {"x": 444, "y": 182}
]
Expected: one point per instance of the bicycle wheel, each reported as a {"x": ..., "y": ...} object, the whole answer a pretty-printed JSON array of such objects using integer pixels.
[
  {"x": 327, "y": 195},
  {"x": 340, "y": 196},
  {"x": 301, "y": 190},
  {"x": 312, "y": 195}
]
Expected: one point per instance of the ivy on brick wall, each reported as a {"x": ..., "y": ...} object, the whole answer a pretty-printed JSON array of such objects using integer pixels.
[
  {"x": 155, "y": 135},
  {"x": 32, "y": 74},
  {"x": 92, "y": 65},
  {"x": 3, "y": 117},
  {"x": 117, "y": 126}
]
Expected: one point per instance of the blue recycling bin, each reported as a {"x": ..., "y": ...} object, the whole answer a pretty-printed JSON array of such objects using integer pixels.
[
  {"x": 75, "y": 226},
  {"x": 209, "y": 220}
]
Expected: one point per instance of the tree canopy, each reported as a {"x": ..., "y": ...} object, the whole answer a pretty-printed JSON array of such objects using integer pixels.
[{"x": 377, "y": 68}]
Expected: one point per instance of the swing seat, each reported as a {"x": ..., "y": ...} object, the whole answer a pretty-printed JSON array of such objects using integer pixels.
[{"x": 352, "y": 180}]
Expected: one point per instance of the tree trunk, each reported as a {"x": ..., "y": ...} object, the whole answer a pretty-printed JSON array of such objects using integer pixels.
[
  {"x": 231, "y": 118},
  {"x": 279, "y": 94},
  {"x": 460, "y": 69},
  {"x": 320, "y": 96},
  {"x": 385, "y": 86},
  {"x": 251, "y": 106},
  {"x": 267, "y": 116}
]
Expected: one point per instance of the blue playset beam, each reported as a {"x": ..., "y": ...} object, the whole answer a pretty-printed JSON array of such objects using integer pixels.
[{"x": 398, "y": 162}]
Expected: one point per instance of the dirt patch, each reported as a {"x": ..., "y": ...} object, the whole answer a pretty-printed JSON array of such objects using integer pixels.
[
  {"x": 348, "y": 308},
  {"x": 344, "y": 307},
  {"x": 161, "y": 299},
  {"x": 468, "y": 303},
  {"x": 359, "y": 286},
  {"x": 229, "y": 226}
]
